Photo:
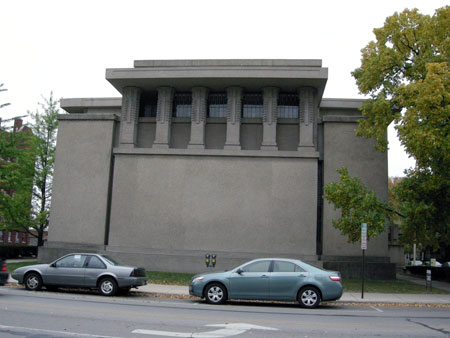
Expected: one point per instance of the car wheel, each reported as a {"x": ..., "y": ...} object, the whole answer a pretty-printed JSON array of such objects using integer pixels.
[
  {"x": 215, "y": 294},
  {"x": 309, "y": 297},
  {"x": 107, "y": 287},
  {"x": 33, "y": 281}
]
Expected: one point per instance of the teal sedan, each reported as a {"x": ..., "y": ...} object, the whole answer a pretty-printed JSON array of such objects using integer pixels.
[{"x": 270, "y": 279}]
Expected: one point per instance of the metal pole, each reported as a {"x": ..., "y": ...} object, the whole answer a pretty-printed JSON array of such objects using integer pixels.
[
  {"x": 414, "y": 254},
  {"x": 362, "y": 277}
]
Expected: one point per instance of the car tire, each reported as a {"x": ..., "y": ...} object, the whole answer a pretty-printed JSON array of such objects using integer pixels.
[
  {"x": 33, "y": 281},
  {"x": 309, "y": 297},
  {"x": 215, "y": 293},
  {"x": 107, "y": 286}
]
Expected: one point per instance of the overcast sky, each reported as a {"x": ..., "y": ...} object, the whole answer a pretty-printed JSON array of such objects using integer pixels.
[{"x": 65, "y": 46}]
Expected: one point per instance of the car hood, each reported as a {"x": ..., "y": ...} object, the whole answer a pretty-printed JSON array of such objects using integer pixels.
[{"x": 28, "y": 267}]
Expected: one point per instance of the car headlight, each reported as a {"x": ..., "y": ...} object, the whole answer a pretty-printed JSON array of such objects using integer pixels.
[{"x": 198, "y": 279}]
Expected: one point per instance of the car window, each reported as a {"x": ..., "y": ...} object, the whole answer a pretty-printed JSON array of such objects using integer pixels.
[
  {"x": 95, "y": 263},
  {"x": 262, "y": 266},
  {"x": 110, "y": 260},
  {"x": 281, "y": 266},
  {"x": 72, "y": 261}
]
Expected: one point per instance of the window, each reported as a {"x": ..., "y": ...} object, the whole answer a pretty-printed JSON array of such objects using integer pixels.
[
  {"x": 288, "y": 106},
  {"x": 217, "y": 105},
  {"x": 262, "y": 266},
  {"x": 110, "y": 260},
  {"x": 1, "y": 236},
  {"x": 95, "y": 263},
  {"x": 252, "y": 105},
  {"x": 72, "y": 261},
  {"x": 9, "y": 236},
  {"x": 182, "y": 105},
  {"x": 149, "y": 103},
  {"x": 17, "y": 237},
  {"x": 281, "y": 266}
]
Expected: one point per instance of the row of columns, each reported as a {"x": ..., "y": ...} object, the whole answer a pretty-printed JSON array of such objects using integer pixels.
[{"x": 130, "y": 114}]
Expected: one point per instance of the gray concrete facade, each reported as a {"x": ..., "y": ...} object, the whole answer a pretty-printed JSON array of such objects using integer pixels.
[{"x": 159, "y": 182}]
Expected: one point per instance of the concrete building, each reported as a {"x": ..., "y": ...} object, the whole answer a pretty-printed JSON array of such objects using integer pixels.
[{"x": 210, "y": 156}]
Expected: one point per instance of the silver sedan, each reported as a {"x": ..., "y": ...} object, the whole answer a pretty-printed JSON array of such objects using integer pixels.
[{"x": 83, "y": 270}]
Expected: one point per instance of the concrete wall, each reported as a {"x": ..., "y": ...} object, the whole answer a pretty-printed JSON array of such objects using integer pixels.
[
  {"x": 81, "y": 180},
  {"x": 237, "y": 207},
  {"x": 343, "y": 148}
]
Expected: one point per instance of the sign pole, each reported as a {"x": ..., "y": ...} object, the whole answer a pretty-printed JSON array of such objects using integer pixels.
[
  {"x": 362, "y": 286},
  {"x": 363, "y": 249}
]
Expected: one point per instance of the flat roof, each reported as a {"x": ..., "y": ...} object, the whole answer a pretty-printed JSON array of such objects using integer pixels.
[{"x": 217, "y": 75}]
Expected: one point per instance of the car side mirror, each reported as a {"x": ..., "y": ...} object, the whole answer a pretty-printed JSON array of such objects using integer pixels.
[
  {"x": 53, "y": 265},
  {"x": 239, "y": 271}
]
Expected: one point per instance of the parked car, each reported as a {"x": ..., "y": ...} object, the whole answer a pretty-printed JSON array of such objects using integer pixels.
[
  {"x": 3, "y": 272},
  {"x": 270, "y": 279},
  {"x": 82, "y": 270}
]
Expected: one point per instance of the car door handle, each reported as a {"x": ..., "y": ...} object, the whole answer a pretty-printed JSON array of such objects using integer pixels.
[
  {"x": 264, "y": 276},
  {"x": 301, "y": 275}
]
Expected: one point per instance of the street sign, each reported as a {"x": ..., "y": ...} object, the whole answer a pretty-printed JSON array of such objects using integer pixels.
[{"x": 363, "y": 236}]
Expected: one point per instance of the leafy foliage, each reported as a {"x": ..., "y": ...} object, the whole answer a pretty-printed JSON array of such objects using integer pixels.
[
  {"x": 405, "y": 72},
  {"x": 44, "y": 129},
  {"x": 26, "y": 170},
  {"x": 358, "y": 205},
  {"x": 16, "y": 177}
]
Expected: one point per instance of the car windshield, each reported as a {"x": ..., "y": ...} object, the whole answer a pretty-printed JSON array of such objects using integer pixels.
[{"x": 110, "y": 260}]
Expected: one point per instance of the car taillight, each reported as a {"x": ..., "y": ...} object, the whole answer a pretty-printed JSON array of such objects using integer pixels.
[
  {"x": 4, "y": 267},
  {"x": 335, "y": 278},
  {"x": 138, "y": 272}
]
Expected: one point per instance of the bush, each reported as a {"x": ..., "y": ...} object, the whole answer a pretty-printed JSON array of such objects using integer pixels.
[{"x": 16, "y": 251}]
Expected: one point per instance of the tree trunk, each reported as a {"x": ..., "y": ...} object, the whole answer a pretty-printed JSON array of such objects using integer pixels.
[{"x": 40, "y": 238}]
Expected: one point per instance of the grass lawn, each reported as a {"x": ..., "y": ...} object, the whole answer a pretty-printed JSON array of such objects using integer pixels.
[
  {"x": 14, "y": 266},
  {"x": 172, "y": 278},
  {"x": 387, "y": 286}
]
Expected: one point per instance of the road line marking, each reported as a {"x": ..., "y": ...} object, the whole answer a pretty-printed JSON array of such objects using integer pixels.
[
  {"x": 373, "y": 307},
  {"x": 65, "y": 333},
  {"x": 227, "y": 330}
]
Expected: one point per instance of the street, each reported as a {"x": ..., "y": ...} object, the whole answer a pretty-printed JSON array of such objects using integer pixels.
[{"x": 63, "y": 314}]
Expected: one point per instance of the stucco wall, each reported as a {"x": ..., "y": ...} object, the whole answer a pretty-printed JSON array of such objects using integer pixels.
[
  {"x": 343, "y": 148},
  {"x": 214, "y": 204},
  {"x": 81, "y": 181}
]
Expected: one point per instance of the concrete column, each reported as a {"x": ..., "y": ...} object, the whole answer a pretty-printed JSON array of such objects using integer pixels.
[
  {"x": 163, "y": 117},
  {"x": 198, "y": 117},
  {"x": 306, "y": 112},
  {"x": 234, "y": 108},
  {"x": 131, "y": 98},
  {"x": 270, "y": 98}
]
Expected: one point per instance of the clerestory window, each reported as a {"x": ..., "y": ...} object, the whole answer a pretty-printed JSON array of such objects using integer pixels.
[
  {"x": 288, "y": 106},
  {"x": 149, "y": 103},
  {"x": 182, "y": 105},
  {"x": 217, "y": 105},
  {"x": 252, "y": 105}
]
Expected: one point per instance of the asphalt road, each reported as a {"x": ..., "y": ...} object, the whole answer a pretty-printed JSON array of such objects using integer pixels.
[{"x": 63, "y": 314}]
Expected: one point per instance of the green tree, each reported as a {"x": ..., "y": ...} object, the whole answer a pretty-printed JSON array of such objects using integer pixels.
[
  {"x": 16, "y": 178},
  {"x": 44, "y": 127},
  {"x": 358, "y": 205},
  {"x": 405, "y": 73},
  {"x": 26, "y": 172}
]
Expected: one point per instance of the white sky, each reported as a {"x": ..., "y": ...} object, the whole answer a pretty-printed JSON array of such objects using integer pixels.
[{"x": 65, "y": 46}]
